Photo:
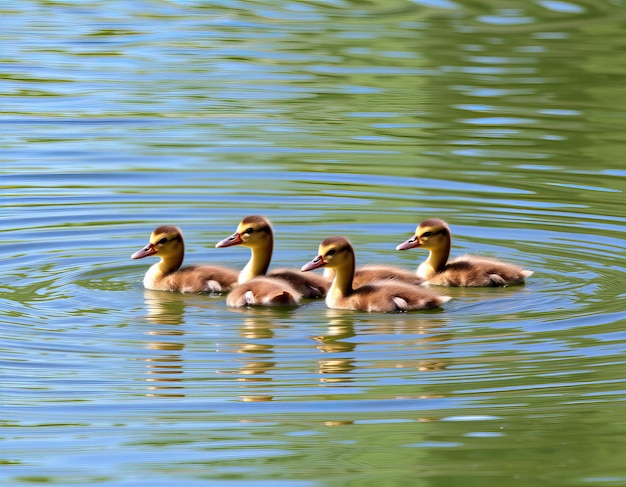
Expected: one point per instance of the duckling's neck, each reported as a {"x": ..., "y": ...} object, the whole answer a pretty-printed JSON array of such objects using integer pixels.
[
  {"x": 167, "y": 265},
  {"x": 342, "y": 283},
  {"x": 436, "y": 262},
  {"x": 259, "y": 262}
]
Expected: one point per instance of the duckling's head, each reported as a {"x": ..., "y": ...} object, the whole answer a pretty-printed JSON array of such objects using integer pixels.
[
  {"x": 430, "y": 234},
  {"x": 333, "y": 252},
  {"x": 253, "y": 231},
  {"x": 165, "y": 241}
]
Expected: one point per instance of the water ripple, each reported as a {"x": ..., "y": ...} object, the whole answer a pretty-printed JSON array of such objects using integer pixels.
[{"x": 359, "y": 119}]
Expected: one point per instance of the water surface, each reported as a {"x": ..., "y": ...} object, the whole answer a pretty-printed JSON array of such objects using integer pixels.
[{"x": 330, "y": 117}]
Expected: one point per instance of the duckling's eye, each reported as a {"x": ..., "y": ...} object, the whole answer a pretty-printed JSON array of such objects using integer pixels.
[
  {"x": 249, "y": 230},
  {"x": 162, "y": 241},
  {"x": 331, "y": 252},
  {"x": 427, "y": 234}
]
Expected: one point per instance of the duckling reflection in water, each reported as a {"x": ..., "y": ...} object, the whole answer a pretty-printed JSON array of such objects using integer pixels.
[{"x": 467, "y": 270}]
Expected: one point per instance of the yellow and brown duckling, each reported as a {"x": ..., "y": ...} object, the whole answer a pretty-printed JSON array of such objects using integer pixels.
[
  {"x": 385, "y": 296},
  {"x": 256, "y": 284},
  {"x": 166, "y": 242},
  {"x": 464, "y": 271}
]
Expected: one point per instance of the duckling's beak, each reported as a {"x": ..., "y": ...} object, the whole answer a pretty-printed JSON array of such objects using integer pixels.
[
  {"x": 314, "y": 264},
  {"x": 145, "y": 252},
  {"x": 234, "y": 239},
  {"x": 414, "y": 241}
]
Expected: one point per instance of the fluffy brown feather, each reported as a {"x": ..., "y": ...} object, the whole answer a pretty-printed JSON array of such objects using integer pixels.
[{"x": 263, "y": 291}]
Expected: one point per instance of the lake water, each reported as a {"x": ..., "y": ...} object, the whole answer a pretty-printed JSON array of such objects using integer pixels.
[{"x": 505, "y": 118}]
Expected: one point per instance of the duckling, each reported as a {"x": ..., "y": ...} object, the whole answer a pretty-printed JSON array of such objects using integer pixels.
[
  {"x": 256, "y": 233},
  {"x": 167, "y": 243},
  {"x": 464, "y": 271},
  {"x": 382, "y": 296}
]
